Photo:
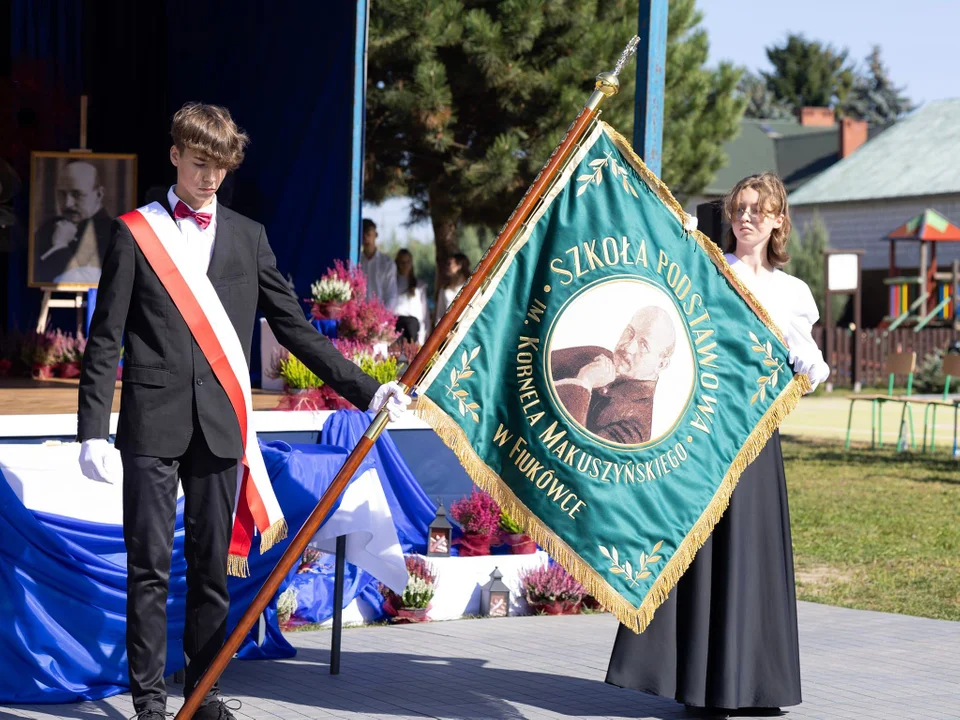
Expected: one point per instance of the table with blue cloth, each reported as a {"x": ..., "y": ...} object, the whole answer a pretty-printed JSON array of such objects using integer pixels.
[{"x": 63, "y": 577}]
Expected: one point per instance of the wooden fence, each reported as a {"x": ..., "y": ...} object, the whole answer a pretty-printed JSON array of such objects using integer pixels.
[{"x": 875, "y": 344}]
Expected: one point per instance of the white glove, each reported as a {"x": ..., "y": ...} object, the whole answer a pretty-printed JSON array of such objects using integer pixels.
[
  {"x": 394, "y": 396},
  {"x": 100, "y": 461},
  {"x": 805, "y": 356},
  {"x": 689, "y": 222}
]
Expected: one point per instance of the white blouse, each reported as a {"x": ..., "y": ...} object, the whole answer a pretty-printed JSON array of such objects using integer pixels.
[
  {"x": 444, "y": 300},
  {"x": 414, "y": 305},
  {"x": 787, "y": 298}
]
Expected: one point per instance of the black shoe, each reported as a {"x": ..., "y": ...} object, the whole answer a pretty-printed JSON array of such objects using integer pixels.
[
  {"x": 217, "y": 710},
  {"x": 152, "y": 714}
]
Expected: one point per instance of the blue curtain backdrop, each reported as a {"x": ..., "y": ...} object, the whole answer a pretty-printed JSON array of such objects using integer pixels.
[{"x": 285, "y": 70}]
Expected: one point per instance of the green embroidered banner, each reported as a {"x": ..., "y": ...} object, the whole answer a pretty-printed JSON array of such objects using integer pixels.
[{"x": 612, "y": 380}]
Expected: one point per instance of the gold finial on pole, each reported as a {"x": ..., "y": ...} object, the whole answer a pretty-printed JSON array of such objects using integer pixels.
[{"x": 608, "y": 83}]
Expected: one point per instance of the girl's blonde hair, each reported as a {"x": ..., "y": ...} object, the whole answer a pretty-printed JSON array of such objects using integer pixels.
[{"x": 773, "y": 201}]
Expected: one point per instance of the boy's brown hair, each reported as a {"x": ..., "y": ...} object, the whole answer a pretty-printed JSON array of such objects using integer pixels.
[
  {"x": 210, "y": 131},
  {"x": 773, "y": 201}
]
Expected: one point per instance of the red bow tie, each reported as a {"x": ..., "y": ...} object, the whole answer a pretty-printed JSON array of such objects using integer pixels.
[{"x": 202, "y": 219}]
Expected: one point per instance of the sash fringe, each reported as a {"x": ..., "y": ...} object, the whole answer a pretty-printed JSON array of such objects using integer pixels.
[
  {"x": 238, "y": 566},
  {"x": 274, "y": 534}
]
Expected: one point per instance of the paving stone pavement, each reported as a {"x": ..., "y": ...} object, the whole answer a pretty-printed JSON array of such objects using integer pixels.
[{"x": 855, "y": 665}]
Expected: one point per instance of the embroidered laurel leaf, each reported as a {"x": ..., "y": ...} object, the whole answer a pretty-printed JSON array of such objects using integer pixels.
[
  {"x": 644, "y": 575},
  {"x": 604, "y": 552},
  {"x": 757, "y": 348},
  {"x": 463, "y": 408},
  {"x": 616, "y": 556},
  {"x": 633, "y": 192},
  {"x": 453, "y": 376},
  {"x": 463, "y": 359},
  {"x": 628, "y": 568},
  {"x": 616, "y": 571},
  {"x": 599, "y": 177},
  {"x": 626, "y": 187},
  {"x": 773, "y": 378},
  {"x": 763, "y": 393},
  {"x": 588, "y": 178},
  {"x": 653, "y": 559},
  {"x": 473, "y": 406},
  {"x": 769, "y": 362},
  {"x": 475, "y": 352},
  {"x": 657, "y": 546},
  {"x": 598, "y": 162},
  {"x": 763, "y": 380},
  {"x": 466, "y": 374},
  {"x": 643, "y": 558},
  {"x": 582, "y": 189},
  {"x": 476, "y": 418},
  {"x": 754, "y": 338},
  {"x": 754, "y": 398},
  {"x": 460, "y": 393},
  {"x": 769, "y": 348}
]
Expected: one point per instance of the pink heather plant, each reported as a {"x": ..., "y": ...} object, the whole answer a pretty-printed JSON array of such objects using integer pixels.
[
  {"x": 478, "y": 514},
  {"x": 362, "y": 319},
  {"x": 551, "y": 583}
]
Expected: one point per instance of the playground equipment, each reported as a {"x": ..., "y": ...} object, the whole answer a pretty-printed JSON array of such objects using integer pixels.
[
  {"x": 899, "y": 363},
  {"x": 929, "y": 298}
]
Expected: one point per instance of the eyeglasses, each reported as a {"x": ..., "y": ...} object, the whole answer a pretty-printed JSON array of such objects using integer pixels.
[{"x": 755, "y": 212}]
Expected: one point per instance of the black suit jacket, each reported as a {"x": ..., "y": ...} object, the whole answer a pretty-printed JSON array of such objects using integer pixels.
[
  {"x": 169, "y": 391},
  {"x": 47, "y": 270}
]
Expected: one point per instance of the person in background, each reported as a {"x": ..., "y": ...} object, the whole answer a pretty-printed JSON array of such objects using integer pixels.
[
  {"x": 458, "y": 270},
  {"x": 413, "y": 314},
  {"x": 379, "y": 268}
]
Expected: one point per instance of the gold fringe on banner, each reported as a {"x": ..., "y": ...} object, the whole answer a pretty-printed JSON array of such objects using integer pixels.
[{"x": 636, "y": 618}]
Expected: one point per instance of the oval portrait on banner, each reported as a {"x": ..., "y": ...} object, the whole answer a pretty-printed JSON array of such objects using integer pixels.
[{"x": 620, "y": 362}]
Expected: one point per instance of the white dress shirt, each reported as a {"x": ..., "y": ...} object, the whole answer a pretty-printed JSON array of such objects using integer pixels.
[
  {"x": 414, "y": 305},
  {"x": 381, "y": 272},
  {"x": 199, "y": 243}
]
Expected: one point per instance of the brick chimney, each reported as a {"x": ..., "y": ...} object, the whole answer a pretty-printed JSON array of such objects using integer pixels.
[
  {"x": 853, "y": 134},
  {"x": 817, "y": 117}
]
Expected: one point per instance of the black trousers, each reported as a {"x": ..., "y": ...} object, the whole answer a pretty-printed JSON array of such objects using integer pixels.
[{"x": 149, "y": 515}]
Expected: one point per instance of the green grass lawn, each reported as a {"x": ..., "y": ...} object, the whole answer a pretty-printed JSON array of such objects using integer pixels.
[{"x": 873, "y": 529}]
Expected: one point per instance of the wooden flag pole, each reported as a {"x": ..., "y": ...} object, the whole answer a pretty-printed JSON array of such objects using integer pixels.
[{"x": 606, "y": 86}]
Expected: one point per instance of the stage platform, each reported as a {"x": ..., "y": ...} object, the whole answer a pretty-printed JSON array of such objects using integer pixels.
[{"x": 22, "y": 396}]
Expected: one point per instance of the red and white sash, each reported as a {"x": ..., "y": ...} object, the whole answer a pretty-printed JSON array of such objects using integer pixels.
[{"x": 161, "y": 242}]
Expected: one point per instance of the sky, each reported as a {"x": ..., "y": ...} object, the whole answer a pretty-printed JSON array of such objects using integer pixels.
[{"x": 917, "y": 40}]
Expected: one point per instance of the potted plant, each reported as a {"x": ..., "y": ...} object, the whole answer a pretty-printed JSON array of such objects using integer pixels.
[
  {"x": 330, "y": 294},
  {"x": 513, "y": 535},
  {"x": 551, "y": 590},
  {"x": 414, "y": 604},
  {"x": 479, "y": 518}
]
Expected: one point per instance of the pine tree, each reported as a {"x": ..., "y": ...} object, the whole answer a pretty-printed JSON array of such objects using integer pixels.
[
  {"x": 702, "y": 109},
  {"x": 874, "y": 97},
  {"x": 808, "y": 73},
  {"x": 468, "y": 98},
  {"x": 761, "y": 103}
]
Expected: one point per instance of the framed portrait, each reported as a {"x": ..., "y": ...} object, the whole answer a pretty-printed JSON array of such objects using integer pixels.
[{"x": 74, "y": 198}]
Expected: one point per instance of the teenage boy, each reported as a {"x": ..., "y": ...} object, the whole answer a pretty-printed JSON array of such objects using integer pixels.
[{"x": 184, "y": 280}]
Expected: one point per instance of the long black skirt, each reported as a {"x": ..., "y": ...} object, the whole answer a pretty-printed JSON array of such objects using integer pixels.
[{"x": 726, "y": 637}]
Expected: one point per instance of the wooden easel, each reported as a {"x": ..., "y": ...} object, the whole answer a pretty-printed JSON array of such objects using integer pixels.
[{"x": 74, "y": 298}]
